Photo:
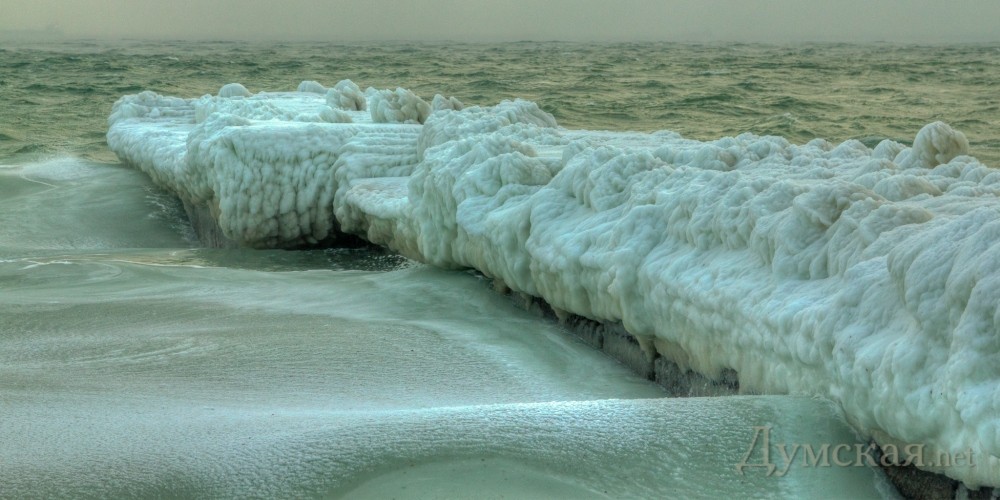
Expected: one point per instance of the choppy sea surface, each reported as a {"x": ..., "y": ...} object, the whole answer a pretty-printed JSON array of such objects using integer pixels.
[
  {"x": 134, "y": 362},
  {"x": 54, "y": 98}
]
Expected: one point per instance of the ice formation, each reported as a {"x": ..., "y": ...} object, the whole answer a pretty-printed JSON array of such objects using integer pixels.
[
  {"x": 347, "y": 95},
  {"x": 399, "y": 106},
  {"x": 867, "y": 276},
  {"x": 233, "y": 90},
  {"x": 312, "y": 86}
]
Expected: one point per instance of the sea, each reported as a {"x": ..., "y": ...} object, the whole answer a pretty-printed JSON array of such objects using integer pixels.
[{"x": 136, "y": 363}]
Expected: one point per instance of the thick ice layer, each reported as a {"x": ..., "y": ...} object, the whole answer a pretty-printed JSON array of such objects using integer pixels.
[
  {"x": 870, "y": 277},
  {"x": 263, "y": 164}
]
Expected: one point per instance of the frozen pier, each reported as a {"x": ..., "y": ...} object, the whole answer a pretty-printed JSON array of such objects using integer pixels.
[{"x": 869, "y": 277}]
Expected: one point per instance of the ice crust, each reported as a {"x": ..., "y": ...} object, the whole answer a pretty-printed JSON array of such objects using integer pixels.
[{"x": 867, "y": 276}]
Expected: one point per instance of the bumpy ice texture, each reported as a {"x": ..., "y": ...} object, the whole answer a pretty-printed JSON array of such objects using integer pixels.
[{"x": 867, "y": 276}]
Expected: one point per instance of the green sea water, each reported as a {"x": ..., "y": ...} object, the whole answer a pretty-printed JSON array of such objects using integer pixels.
[{"x": 55, "y": 98}]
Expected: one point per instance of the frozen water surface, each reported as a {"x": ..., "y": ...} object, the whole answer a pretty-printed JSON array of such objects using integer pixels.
[{"x": 128, "y": 370}]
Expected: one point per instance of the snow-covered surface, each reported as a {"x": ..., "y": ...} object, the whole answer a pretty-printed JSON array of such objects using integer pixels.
[{"x": 867, "y": 276}]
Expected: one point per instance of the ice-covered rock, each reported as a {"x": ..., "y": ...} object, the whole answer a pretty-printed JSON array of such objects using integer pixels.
[
  {"x": 312, "y": 86},
  {"x": 398, "y": 106},
  {"x": 348, "y": 96},
  {"x": 440, "y": 102},
  {"x": 935, "y": 144},
  {"x": 234, "y": 90}
]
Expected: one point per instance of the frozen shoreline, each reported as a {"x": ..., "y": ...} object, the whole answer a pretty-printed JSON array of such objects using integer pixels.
[{"x": 864, "y": 276}]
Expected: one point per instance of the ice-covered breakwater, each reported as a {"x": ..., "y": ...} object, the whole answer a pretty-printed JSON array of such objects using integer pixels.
[{"x": 867, "y": 276}]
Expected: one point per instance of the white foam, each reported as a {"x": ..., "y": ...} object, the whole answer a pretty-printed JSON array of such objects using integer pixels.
[{"x": 866, "y": 276}]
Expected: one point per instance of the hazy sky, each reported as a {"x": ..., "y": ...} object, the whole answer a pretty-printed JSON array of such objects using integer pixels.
[{"x": 685, "y": 20}]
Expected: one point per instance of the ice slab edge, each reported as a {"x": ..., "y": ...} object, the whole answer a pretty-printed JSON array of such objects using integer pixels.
[{"x": 867, "y": 276}]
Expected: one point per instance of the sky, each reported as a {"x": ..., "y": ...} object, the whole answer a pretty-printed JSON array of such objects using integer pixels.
[{"x": 910, "y": 21}]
